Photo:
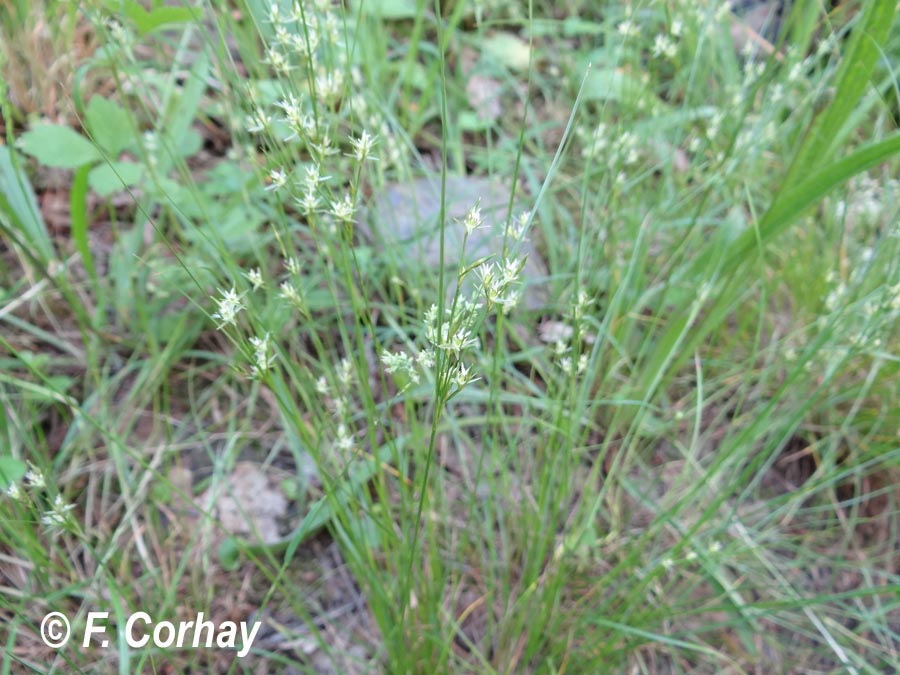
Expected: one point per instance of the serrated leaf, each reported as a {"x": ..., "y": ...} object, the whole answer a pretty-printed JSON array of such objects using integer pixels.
[
  {"x": 106, "y": 179},
  {"x": 511, "y": 50},
  {"x": 109, "y": 125},
  {"x": 58, "y": 146}
]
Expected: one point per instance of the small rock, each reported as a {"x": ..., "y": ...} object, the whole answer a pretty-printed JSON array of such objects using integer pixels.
[{"x": 405, "y": 216}]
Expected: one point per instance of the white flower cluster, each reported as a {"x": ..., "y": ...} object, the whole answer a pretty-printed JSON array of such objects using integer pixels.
[
  {"x": 498, "y": 280},
  {"x": 454, "y": 334},
  {"x": 230, "y": 305},
  {"x": 338, "y": 397},
  {"x": 262, "y": 359},
  {"x": 562, "y": 336},
  {"x": 57, "y": 516},
  {"x": 309, "y": 39}
]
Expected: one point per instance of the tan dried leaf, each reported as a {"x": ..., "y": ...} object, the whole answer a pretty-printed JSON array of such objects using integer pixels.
[{"x": 249, "y": 502}]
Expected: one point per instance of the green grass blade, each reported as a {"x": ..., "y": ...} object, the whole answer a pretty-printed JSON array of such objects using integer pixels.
[
  {"x": 78, "y": 208},
  {"x": 791, "y": 202},
  {"x": 18, "y": 202},
  {"x": 828, "y": 130}
]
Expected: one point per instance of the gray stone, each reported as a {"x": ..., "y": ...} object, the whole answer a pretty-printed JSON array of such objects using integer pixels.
[{"x": 405, "y": 217}]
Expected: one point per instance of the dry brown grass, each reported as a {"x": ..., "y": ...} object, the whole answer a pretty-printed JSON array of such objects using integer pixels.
[{"x": 43, "y": 44}]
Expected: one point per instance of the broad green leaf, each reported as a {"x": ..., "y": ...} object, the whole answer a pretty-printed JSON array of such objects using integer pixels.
[
  {"x": 471, "y": 121},
  {"x": 18, "y": 203},
  {"x": 147, "y": 22},
  {"x": 574, "y": 26},
  {"x": 106, "y": 179},
  {"x": 58, "y": 146},
  {"x": 510, "y": 50},
  {"x": 11, "y": 471},
  {"x": 235, "y": 227},
  {"x": 391, "y": 10},
  {"x": 191, "y": 142},
  {"x": 614, "y": 84},
  {"x": 109, "y": 125}
]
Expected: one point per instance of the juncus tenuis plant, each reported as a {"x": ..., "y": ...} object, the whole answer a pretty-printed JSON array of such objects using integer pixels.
[{"x": 470, "y": 471}]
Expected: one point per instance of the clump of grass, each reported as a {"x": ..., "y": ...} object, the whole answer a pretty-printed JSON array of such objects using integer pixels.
[{"x": 673, "y": 466}]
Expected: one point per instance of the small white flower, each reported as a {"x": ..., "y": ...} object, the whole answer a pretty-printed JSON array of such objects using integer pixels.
[
  {"x": 278, "y": 61},
  {"x": 516, "y": 227},
  {"x": 664, "y": 46},
  {"x": 58, "y": 514},
  {"x": 306, "y": 43},
  {"x": 289, "y": 293},
  {"x": 324, "y": 148},
  {"x": 582, "y": 302},
  {"x": 229, "y": 306},
  {"x": 509, "y": 301},
  {"x": 723, "y": 11},
  {"x": 283, "y": 37},
  {"x": 277, "y": 180},
  {"x": 344, "y": 441},
  {"x": 362, "y": 146},
  {"x": 582, "y": 363},
  {"x": 329, "y": 86},
  {"x": 340, "y": 407},
  {"x": 312, "y": 178},
  {"x": 485, "y": 272},
  {"x": 560, "y": 348},
  {"x": 255, "y": 277},
  {"x": 463, "y": 376},
  {"x": 117, "y": 32},
  {"x": 309, "y": 203},
  {"x": 293, "y": 266},
  {"x": 628, "y": 28},
  {"x": 797, "y": 71},
  {"x": 262, "y": 360},
  {"x": 15, "y": 492},
  {"x": 293, "y": 115},
  {"x": 35, "y": 477},
  {"x": 275, "y": 13},
  {"x": 425, "y": 359},
  {"x": 345, "y": 372},
  {"x": 400, "y": 362},
  {"x": 462, "y": 339},
  {"x": 511, "y": 269},
  {"x": 259, "y": 122},
  {"x": 677, "y": 27},
  {"x": 343, "y": 210},
  {"x": 473, "y": 220},
  {"x": 322, "y": 386}
]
